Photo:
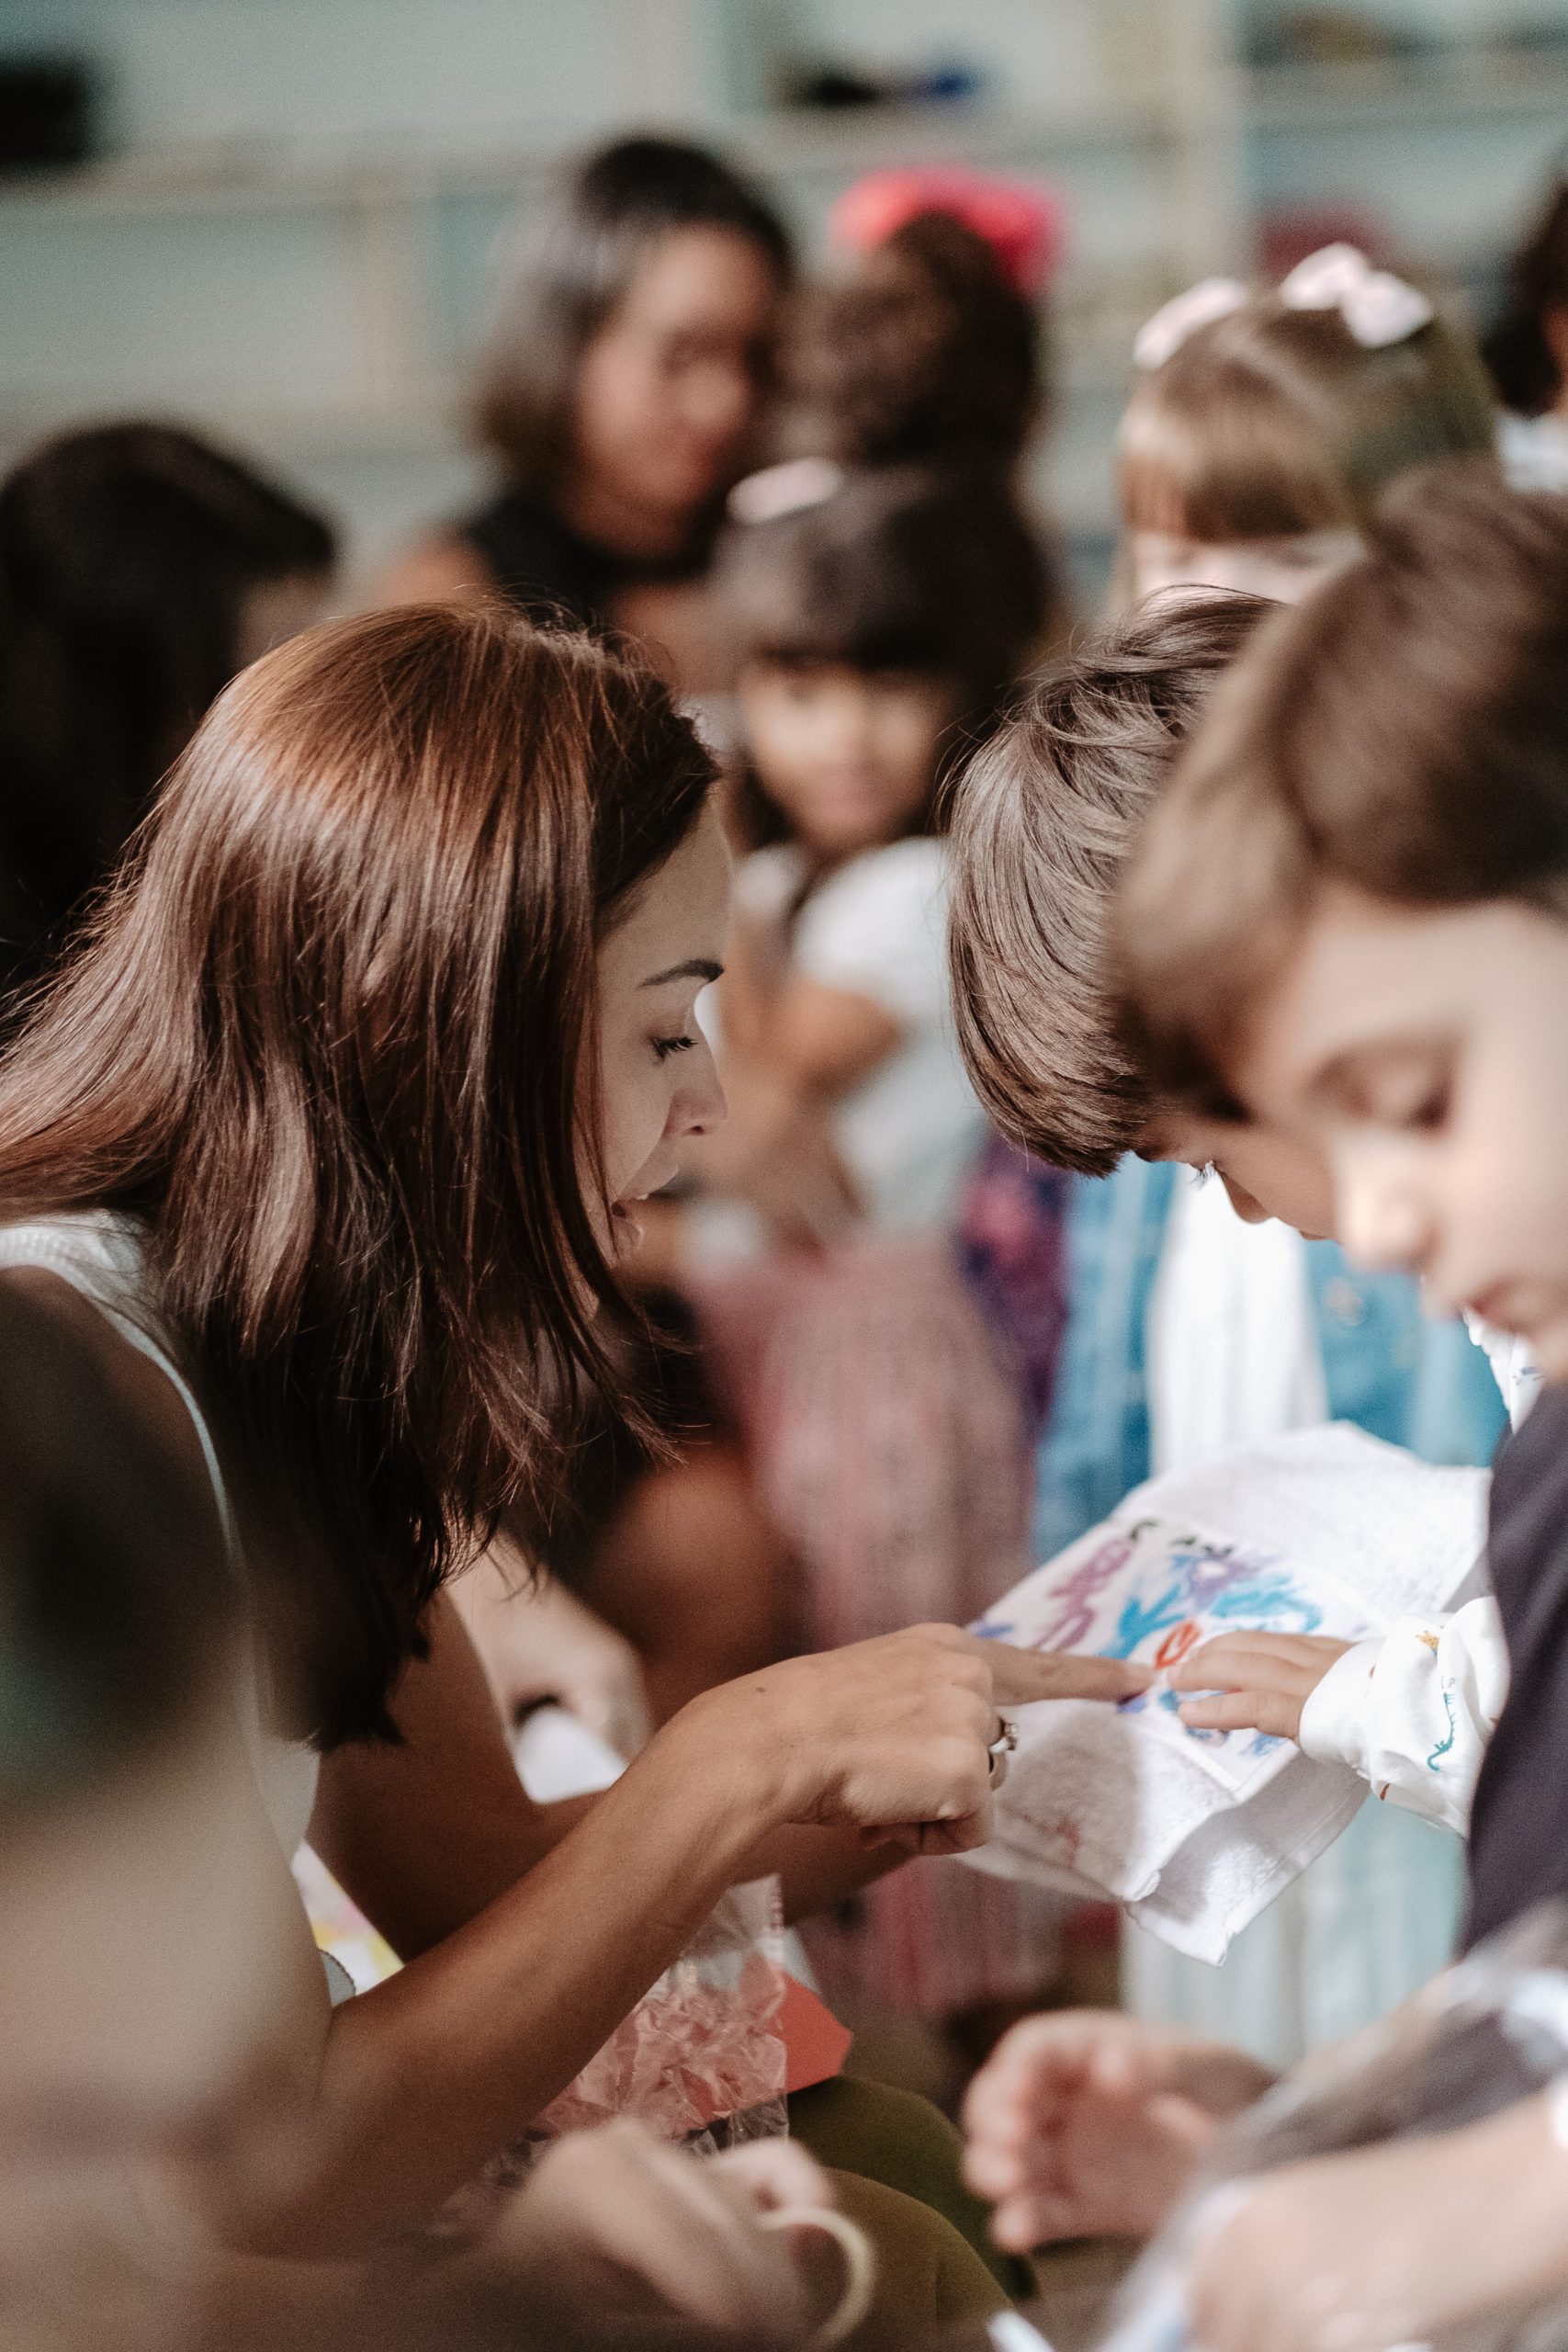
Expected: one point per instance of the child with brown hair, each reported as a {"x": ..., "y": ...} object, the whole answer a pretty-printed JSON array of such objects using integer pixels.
[
  {"x": 1155, "y": 1369},
  {"x": 1347, "y": 917},
  {"x": 1264, "y": 425}
]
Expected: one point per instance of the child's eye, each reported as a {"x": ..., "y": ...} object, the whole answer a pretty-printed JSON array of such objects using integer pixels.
[{"x": 664, "y": 1047}]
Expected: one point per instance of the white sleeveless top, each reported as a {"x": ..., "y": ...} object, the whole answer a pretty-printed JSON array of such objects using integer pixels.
[{"x": 100, "y": 1255}]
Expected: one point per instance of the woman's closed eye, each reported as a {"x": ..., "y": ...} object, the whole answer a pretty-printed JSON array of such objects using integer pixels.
[{"x": 664, "y": 1047}]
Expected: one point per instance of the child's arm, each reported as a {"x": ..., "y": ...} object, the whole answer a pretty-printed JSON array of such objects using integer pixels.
[
  {"x": 1411, "y": 1712},
  {"x": 1390, "y": 2245}
]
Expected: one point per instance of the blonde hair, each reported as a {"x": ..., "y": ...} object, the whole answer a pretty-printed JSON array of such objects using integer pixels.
[{"x": 1271, "y": 421}]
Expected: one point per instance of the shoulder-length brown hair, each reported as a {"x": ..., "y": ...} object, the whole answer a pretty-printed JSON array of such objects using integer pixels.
[
  {"x": 573, "y": 271},
  {"x": 327, "y": 1041}
]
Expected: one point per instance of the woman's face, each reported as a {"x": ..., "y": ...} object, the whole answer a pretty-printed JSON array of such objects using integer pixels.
[
  {"x": 656, "y": 1077},
  {"x": 667, "y": 389},
  {"x": 849, "y": 755},
  {"x": 1285, "y": 569}
]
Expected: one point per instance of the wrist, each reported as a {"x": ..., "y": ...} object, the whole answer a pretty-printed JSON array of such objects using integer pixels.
[{"x": 720, "y": 1741}]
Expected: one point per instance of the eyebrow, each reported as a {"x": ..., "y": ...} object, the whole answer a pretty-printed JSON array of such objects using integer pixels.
[{"x": 700, "y": 968}]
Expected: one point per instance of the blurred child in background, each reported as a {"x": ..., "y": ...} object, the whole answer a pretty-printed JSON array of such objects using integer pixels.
[
  {"x": 1526, "y": 351},
  {"x": 1264, "y": 426},
  {"x": 139, "y": 569},
  {"x": 1261, "y": 430},
  {"x": 880, "y": 618}
]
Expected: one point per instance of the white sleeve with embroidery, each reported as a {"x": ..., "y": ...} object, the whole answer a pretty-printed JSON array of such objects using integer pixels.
[{"x": 1413, "y": 1711}]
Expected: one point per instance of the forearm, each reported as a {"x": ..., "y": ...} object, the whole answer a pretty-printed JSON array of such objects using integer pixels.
[{"x": 430, "y": 2075}]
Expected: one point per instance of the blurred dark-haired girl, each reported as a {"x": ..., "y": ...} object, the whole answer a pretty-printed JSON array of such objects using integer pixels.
[
  {"x": 618, "y": 395},
  {"x": 139, "y": 569},
  {"x": 1526, "y": 351},
  {"x": 881, "y": 618}
]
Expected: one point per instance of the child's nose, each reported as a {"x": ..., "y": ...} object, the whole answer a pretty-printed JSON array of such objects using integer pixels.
[{"x": 1383, "y": 1221}]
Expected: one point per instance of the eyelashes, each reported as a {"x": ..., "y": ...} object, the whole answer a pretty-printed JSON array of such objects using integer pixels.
[{"x": 664, "y": 1047}]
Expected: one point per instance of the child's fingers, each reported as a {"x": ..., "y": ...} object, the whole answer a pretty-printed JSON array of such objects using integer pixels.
[
  {"x": 1275, "y": 1711},
  {"x": 1021, "y": 2223},
  {"x": 1241, "y": 1668}
]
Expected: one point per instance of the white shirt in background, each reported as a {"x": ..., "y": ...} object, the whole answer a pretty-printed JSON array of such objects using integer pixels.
[{"x": 877, "y": 928}]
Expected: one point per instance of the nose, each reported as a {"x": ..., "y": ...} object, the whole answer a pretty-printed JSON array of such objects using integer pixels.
[
  {"x": 698, "y": 1105},
  {"x": 1382, "y": 1214}
]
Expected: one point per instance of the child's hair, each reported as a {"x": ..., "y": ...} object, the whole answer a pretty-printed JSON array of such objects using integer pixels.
[
  {"x": 327, "y": 1041},
  {"x": 578, "y": 265},
  {"x": 126, "y": 553},
  {"x": 1523, "y": 366},
  {"x": 1041, "y": 826},
  {"x": 1272, "y": 421},
  {"x": 1405, "y": 732},
  {"x": 116, "y": 1597},
  {"x": 926, "y": 354},
  {"x": 892, "y": 569}
]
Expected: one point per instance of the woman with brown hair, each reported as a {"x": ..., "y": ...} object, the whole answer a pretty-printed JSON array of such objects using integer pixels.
[
  {"x": 618, "y": 392},
  {"x": 334, "y": 1132}
]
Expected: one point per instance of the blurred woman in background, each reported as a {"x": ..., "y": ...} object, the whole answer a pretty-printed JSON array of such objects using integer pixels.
[
  {"x": 619, "y": 395},
  {"x": 139, "y": 569}
]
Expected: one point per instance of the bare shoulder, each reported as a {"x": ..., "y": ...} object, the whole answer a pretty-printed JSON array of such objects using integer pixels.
[{"x": 443, "y": 569}]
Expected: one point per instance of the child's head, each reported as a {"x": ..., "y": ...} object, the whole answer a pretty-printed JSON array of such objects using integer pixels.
[
  {"x": 878, "y": 620},
  {"x": 925, "y": 353},
  {"x": 1350, "y": 912},
  {"x": 1527, "y": 349},
  {"x": 1264, "y": 427},
  {"x": 1042, "y": 826}
]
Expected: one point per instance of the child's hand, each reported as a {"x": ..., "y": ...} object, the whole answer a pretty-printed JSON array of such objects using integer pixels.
[
  {"x": 1264, "y": 1680},
  {"x": 1390, "y": 2244},
  {"x": 1091, "y": 2124}
]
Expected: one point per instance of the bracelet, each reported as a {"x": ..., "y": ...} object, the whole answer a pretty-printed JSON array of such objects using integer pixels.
[{"x": 860, "y": 2267}]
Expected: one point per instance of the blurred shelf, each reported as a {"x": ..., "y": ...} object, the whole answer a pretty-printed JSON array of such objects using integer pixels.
[
  {"x": 244, "y": 175},
  {"x": 1435, "y": 91}
]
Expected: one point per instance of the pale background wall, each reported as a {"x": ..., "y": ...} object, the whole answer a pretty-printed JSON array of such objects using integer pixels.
[{"x": 289, "y": 239}]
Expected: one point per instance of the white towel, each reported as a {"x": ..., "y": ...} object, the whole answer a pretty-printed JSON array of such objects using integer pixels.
[{"x": 1325, "y": 1531}]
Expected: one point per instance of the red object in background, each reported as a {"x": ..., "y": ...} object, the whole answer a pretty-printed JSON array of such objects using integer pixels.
[
  {"x": 1287, "y": 237},
  {"x": 1022, "y": 221}
]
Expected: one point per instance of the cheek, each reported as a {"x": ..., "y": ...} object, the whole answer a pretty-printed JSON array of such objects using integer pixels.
[{"x": 634, "y": 1112}]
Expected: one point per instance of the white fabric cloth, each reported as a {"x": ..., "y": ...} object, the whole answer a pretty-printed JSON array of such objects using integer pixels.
[
  {"x": 99, "y": 1256},
  {"x": 1534, "y": 450},
  {"x": 1322, "y": 1531},
  {"x": 1232, "y": 1352},
  {"x": 1513, "y": 1368},
  {"x": 1412, "y": 1712},
  {"x": 877, "y": 928}
]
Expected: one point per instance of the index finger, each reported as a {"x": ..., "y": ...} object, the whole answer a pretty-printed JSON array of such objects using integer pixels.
[{"x": 1019, "y": 1677}]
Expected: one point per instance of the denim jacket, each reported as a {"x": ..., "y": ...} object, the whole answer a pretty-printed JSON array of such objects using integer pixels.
[{"x": 1387, "y": 1367}]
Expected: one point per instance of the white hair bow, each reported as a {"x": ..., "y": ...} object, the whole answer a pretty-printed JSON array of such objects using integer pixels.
[
  {"x": 1159, "y": 337},
  {"x": 1378, "y": 308},
  {"x": 785, "y": 489}
]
